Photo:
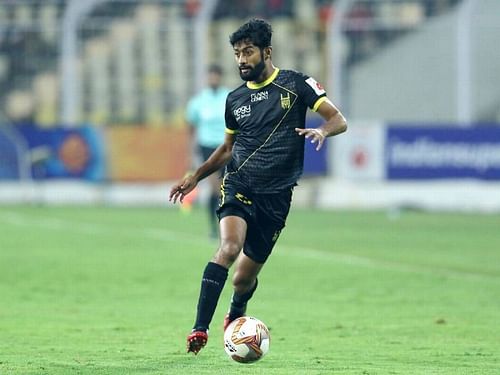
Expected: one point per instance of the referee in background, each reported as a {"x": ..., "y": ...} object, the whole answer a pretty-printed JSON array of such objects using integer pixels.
[{"x": 205, "y": 115}]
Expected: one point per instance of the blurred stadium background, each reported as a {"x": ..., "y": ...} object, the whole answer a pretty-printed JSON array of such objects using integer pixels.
[{"x": 93, "y": 95}]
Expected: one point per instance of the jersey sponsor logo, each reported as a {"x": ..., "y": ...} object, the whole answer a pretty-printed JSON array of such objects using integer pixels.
[
  {"x": 285, "y": 101},
  {"x": 242, "y": 112},
  {"x": 257, "y": 97},
  {"x": 316, "y": 86}
]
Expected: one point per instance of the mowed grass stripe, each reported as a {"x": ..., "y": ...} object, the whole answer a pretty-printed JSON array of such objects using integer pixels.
[{"x": 164, "y": 234}]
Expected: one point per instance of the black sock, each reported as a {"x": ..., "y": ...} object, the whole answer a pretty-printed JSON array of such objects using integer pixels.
[
  {"x": 213, "y": 204},
  {"x": 212, "y": 284},
  {"x": 239, "y": 303}
]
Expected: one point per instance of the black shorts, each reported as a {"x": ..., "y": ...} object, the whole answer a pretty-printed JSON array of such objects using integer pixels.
[{"x": 265, "y": 215}]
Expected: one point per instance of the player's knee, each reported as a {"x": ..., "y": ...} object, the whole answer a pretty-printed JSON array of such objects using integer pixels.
[{"x": 227, "y": 253}]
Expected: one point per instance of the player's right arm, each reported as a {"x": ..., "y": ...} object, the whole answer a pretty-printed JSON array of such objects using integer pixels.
[{"x": 216, "y": 161}]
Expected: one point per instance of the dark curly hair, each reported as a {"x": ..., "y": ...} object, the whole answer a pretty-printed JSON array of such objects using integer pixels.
[{"x": 256, "y": 30}]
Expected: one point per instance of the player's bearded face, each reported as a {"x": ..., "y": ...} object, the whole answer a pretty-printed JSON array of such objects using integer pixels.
[{"x": 252, "y": 73}]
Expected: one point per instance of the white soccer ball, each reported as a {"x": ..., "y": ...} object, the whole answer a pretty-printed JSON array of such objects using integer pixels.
[{"x": 246, "y": 339}]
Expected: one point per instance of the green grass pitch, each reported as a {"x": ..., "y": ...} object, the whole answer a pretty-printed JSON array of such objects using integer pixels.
[{"x": 114, "y": 291}]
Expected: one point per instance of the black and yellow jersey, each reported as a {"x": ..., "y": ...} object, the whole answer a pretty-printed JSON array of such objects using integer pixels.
[{"x": 268, "y": 154}]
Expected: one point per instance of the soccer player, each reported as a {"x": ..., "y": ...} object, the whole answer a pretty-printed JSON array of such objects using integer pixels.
[
  {"x": 263, "y": 152},
  {"x": 205, "y": 115}
]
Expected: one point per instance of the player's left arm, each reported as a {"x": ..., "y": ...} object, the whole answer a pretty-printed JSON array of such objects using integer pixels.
[{"x": 335, "y": 123}]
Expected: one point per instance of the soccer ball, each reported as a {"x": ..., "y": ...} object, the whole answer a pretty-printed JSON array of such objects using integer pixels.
[{"x": 246, "y": 339}]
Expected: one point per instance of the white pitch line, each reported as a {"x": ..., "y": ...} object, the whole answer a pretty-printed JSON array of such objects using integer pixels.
[
  {"x": 360, "y": 261},
  {"x": 164, "y": 234},
  {"x": 57, "y": 224}
]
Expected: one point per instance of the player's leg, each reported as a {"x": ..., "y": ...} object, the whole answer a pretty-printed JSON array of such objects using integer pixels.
[
  {"x": 244, "y": 284},
  {"x": 233, "y": 232},
  {"x": 262, "y": 234}
]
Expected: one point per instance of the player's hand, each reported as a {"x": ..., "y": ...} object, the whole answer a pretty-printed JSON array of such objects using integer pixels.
[
  {"x": 183, "y": 188},
  {"x": 317, "y": 135}
]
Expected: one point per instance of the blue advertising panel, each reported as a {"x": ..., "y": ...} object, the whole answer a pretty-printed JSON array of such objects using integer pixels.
[
  {"x": 65, "y": 153},
  {"x": 9, "y": 158},
  {"x": 442, "y": 152}
]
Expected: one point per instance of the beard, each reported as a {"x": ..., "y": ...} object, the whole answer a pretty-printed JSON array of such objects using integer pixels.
[{"x": 253, "y": 73}]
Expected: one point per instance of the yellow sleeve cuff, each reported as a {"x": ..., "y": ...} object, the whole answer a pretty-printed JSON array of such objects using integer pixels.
[
  {"x": 319, "y": 102},
  {"x": 231, "y": 131}
]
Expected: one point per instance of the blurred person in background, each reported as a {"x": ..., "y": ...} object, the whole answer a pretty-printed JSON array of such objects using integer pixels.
[
  {"x": 205, "y": 115},
  {"x": 263, "y": 152}
]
